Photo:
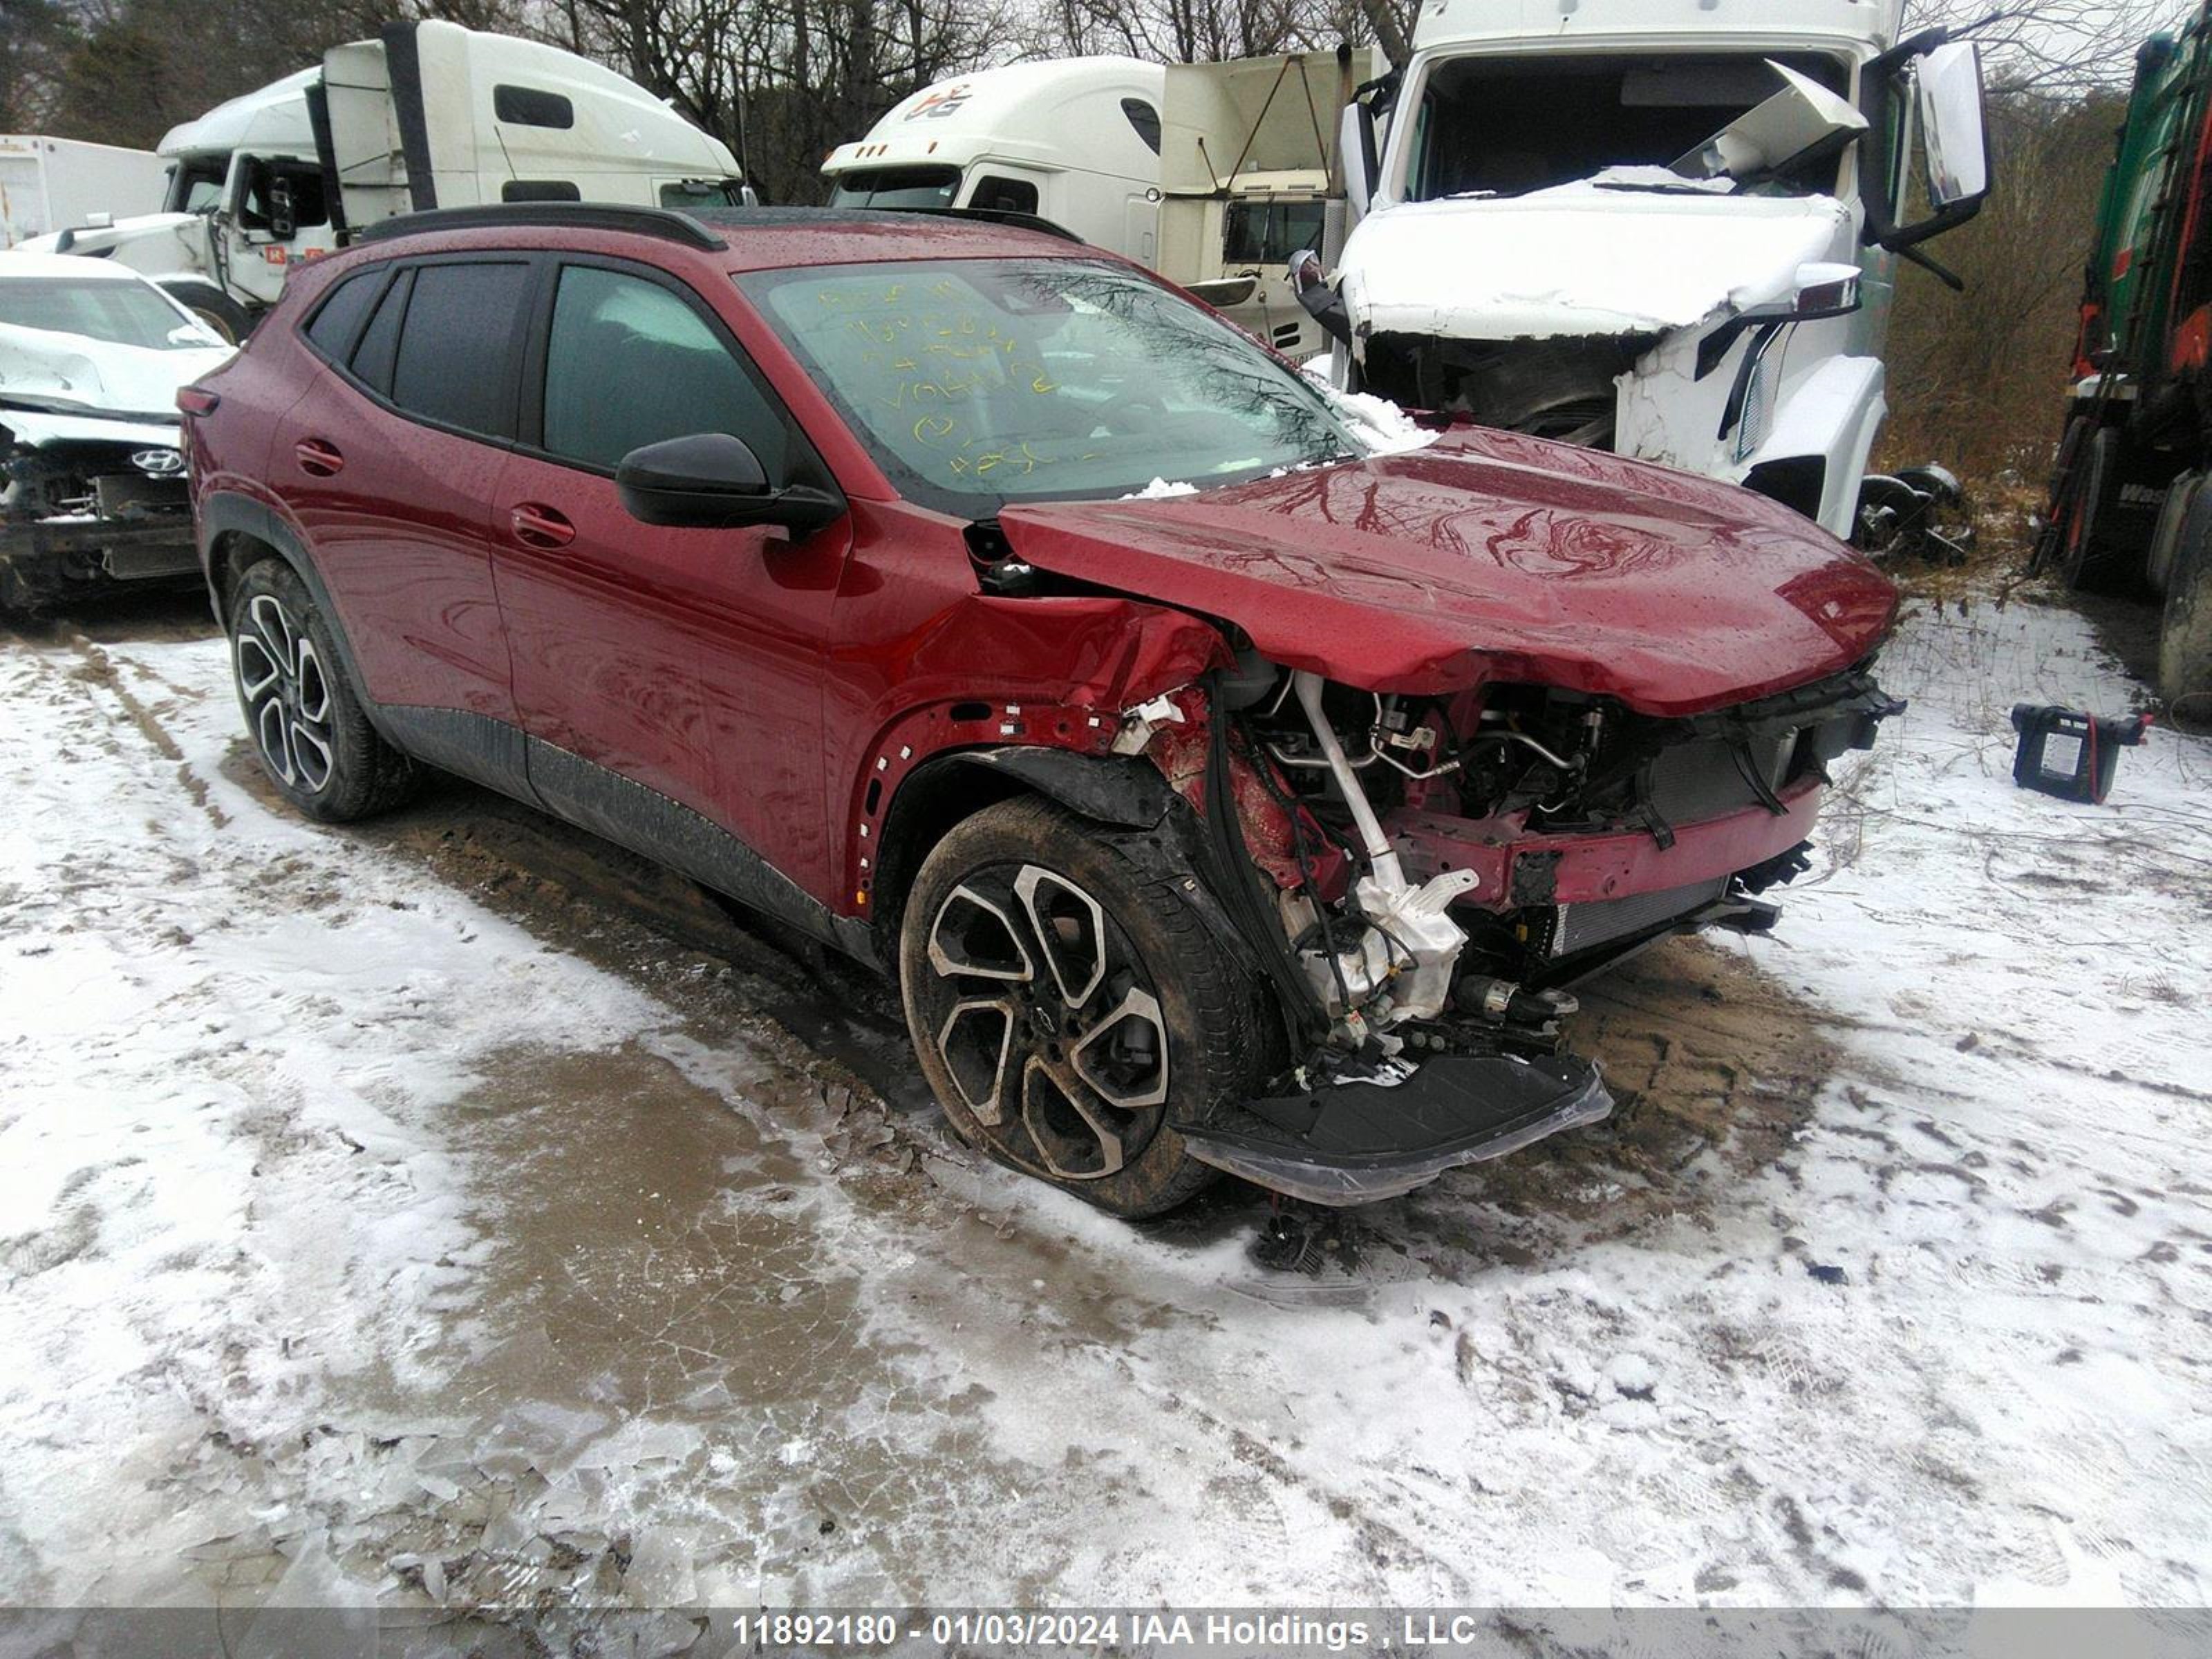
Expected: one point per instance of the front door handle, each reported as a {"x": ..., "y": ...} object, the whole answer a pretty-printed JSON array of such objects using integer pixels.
[
  {"x": 541, "y": 527},
  {"x": 318, "y": 457}
]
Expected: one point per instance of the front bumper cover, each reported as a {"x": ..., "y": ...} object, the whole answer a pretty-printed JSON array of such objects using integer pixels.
[
  {"x": 1357, "y": 1142},
  {"x": 40, "y": 558}
]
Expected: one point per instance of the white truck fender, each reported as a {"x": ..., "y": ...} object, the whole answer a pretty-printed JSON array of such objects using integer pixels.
[{"x": 1834, "y": 412}]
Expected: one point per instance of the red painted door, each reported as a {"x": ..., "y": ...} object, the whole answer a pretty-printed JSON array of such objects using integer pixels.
[
  {"x": 689, "y": 661},
  {"x": 389, "y": 465}
]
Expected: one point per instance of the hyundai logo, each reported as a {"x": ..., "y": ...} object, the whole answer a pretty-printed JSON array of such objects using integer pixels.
[{"x": 158, "y": 463}]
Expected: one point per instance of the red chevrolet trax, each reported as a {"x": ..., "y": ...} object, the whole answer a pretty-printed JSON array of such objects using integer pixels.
[{"x": 1233, "y": 776}]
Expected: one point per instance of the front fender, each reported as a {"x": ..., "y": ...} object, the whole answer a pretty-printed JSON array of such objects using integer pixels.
[{"x": 1830, "y": 416}]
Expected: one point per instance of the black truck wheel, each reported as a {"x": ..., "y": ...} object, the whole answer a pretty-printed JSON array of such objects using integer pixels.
[
  {"x": 212, "y": 306},
  {"x": 302, "y": 714},
  {"x": 2102, "y": 540},
  {"x": 2184, "y": 639},
  {"x": 1069, "y": 1004}
]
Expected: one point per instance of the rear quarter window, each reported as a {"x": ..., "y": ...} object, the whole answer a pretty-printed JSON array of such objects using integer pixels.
[
  {"x": 336, "y": 322},
  {"x": 372, "y": 358}
]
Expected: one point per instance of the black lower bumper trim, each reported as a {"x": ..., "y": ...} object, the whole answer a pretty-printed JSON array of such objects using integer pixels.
[{"x": 1353, "y": 1142}]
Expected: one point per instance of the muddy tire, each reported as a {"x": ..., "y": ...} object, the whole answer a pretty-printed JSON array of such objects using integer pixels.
[
  {"x": 2101, "y": 541},
  {"x": 212, "y": 306},
  {"x": 1068, "y": 1003},
  {"x": 302, "y": 714},
  {"x": 2184, "y": 638}
]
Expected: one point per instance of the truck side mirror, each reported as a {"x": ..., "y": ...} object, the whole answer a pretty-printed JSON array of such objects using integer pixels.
[
  {"x": 1941, "y": 126},
  {"x": 1355, "y": 143},
  {"x": 1956, "y": 136},
  {"x": 283, "y": 210}
]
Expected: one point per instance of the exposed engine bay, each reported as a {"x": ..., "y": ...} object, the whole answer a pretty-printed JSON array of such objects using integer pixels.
[
  {"x": 1428, "y": 862},
  {"x": 1564, "y": 389}
]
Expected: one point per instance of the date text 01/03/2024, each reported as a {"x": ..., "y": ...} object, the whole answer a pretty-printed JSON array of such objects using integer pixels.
[{"x": 1079, "y": 1630}]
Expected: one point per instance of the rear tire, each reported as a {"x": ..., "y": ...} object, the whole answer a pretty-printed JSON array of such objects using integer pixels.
[
  {"x": 2102, "y": 545},
  {"x": 2184, "y": 639},
  {"x": 1069, "y": 1004},
  {"x": 302, "y": 714}
]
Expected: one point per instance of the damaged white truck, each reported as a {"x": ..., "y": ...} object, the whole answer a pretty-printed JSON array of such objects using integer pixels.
[
  {"x": 1663, "y": 228},
  {"x": 427, "y": 115}
]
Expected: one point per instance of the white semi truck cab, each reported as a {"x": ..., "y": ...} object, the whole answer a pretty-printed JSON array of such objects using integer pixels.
[
  {"x": 1667, "y": 228},
  {"x": 428, "y": 115},
  {"x": 1211, "y": 175},
  {"x": 1076, "y": 141}
]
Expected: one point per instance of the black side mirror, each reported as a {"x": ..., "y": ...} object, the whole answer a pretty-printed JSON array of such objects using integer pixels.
[
  {"x": 711, "y": 480},
  {"x": 284, "y": 210}
]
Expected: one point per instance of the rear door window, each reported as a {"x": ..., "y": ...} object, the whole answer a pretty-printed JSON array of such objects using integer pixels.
[
  {"x": 629, "y": 363},
  {"x": 459, "y": 346}
]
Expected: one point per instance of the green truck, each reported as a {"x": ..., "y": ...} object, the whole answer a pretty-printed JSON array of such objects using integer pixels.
[{"x": 2129, "y": 510}]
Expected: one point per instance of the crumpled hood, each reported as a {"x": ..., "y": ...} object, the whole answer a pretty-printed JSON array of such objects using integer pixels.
[
  {"x": 79, "y": 374},
  {"x": 1581, "y": 260},
  {"x": 1492, "y": 556}
]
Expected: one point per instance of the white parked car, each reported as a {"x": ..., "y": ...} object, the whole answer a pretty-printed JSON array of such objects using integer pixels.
[{"x": 92, "y": 474}]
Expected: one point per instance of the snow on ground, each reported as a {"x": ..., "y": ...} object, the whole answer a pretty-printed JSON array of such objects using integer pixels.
[{"x": 367, "y": 1229}]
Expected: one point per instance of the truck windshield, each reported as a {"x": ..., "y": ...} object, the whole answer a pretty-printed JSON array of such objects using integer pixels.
[
  {"x": 978, "y": 382},
  {"x": 703, "y": 192},
  {"x": 897, "y": 187},
  {"x": 102, "y": 308},
  {"x": 195, "y": 183},
  {"x": 1507, "y": 125}
]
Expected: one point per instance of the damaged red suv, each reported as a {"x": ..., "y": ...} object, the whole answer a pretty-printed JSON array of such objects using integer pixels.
[{"x": 1234, "y": 777}]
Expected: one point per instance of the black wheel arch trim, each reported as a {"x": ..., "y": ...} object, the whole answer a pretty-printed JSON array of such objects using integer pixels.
[
  {"x": 1115, "y": 789},
  {"x": 227, "y": 512}
]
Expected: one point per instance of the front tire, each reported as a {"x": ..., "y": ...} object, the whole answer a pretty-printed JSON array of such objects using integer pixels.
[
  {"x": 1069, "y": 1004},
  {"x": 212, "y": 306},
  {"x": 302, "y": 714}
]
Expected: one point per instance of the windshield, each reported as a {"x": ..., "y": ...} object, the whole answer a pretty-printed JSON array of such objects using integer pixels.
[
  {"x": 897, "y": 187},
  {"x": 105, "y": 308},
  {"x": 983, "y": 381},
  {"x": 195, "y": 183},
  {"x": 1506, "y": 125}
]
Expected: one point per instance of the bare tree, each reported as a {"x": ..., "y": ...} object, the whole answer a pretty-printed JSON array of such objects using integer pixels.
[
  {"x": 783, "y": 81},
  {"x": 2063, "y": 48}
]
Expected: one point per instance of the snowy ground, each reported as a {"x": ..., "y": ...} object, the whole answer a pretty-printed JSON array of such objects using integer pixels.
[{"x": 448, "y": 1211}]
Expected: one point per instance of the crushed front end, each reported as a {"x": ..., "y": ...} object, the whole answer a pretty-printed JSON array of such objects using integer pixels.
[
  {"x": 87, "y": 501},
  {"x": 1423, "y": 878}
]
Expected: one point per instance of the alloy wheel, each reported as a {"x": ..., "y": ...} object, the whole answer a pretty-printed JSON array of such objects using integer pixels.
[
  {"x": 287, "y": 696},
  {"x": 1047, "y": 1023}
]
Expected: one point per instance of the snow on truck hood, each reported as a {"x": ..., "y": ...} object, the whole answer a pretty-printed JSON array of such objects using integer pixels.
[
  {"x": 74, "y": 375},
  {"x": 1582, "y": 259},
  {"x": 1492, "y": 556}
]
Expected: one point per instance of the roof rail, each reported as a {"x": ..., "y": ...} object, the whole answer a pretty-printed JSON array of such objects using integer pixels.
[{"x": 662, "y": 222}]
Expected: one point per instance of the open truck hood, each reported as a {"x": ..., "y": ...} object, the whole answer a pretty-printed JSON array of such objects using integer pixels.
[
  {"x": 1582, "y": 260},
  {"x": 1493, "y": 557}
]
